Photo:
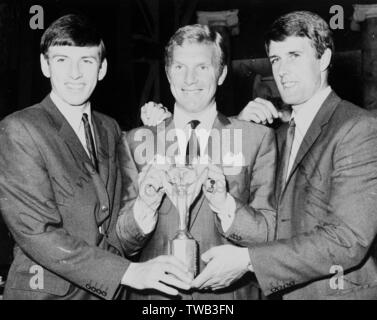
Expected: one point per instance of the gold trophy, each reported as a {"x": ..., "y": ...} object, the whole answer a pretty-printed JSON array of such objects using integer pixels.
[{"x": 183, "y": 246}]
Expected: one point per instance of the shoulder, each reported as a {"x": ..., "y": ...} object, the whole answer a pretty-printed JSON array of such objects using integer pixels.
[
  {"x": 352, "y": 126},
  {"x": 109, "y": 123},
  {"x": 251, "y": 130},
  {"x": 351, "y": 115},
  {"x": 30, "y": 118}
]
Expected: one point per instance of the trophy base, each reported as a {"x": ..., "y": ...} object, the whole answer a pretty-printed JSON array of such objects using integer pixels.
[{"x": 187, "y": 250}]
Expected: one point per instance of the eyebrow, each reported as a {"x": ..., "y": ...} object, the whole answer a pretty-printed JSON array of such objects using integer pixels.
[
  {"x": 65, "y": 56},
  {"x": 289, "y": 52}
]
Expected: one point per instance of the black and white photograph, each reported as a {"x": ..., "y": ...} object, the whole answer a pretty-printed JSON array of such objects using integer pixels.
[{"x": 187, "y": 155}]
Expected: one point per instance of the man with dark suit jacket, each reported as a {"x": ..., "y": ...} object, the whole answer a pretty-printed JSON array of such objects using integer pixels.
[
  {"x": 327, "y": 177},
  {"x": 235, "y": 192},
  {"x": 60, "y": 184}
]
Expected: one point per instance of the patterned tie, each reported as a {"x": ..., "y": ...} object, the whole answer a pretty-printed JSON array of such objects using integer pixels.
[
  {"x": 90, "y": 141},
  {"x": 193, "y": 148},
  {"x": 286, "y": 154}
]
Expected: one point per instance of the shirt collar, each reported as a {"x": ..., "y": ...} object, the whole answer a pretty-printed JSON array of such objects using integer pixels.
[
  {"x": 73, "y": 114},
  {"x": 206, "y": 118},
  {"x": 305, "y": 113}
]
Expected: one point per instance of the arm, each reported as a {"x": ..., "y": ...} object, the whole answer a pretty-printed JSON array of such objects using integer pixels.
[
  {"x": 32, "y": 215},
  {"x": 130, "y": 233},
  {"x": 347, "y": 236},
  {"x": 255, "y": 221}
]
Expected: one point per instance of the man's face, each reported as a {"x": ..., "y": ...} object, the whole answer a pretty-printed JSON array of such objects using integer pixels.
[
  {"x": 193, "y": 76},
  {"x": 296, "y": 70},
  {"x": 73, "y": 72}
]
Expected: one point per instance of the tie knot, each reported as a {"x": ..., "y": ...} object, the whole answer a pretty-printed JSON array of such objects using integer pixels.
[
  {"x": 85, "y": 118},
  {"x": 292, "y": 123},
  {"x": 194, "y": 124}
]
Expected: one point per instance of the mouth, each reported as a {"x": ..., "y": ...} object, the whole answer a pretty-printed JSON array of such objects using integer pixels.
[
  {"x": 288, "y": 84},
  {"x": 191, "y": 90},
  {"x": 75, "y": 86}
]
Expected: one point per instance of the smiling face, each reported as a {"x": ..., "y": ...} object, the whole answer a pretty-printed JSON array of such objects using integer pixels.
[
  {"x": 73, "y": 72},
  {"x": 194, "y": 76},
  {"x": 298, "y": 73}
]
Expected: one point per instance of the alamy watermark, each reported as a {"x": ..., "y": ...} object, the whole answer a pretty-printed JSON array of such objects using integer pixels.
[{"x": 37, "y": 19}]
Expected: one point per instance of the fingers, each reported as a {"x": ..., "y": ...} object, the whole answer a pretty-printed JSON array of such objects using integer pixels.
[
  {"x": 215, "y": 182},
  {"x": 165, "y": 289},
  {"x": 271, "y": 108},
  {"x": 152, "y": 113},
  {"x": 259, "y": 111},
  {"x": 208, "y": 255},
  {"x": 202, "y": 278},
  {"x": 165, "y": 114}
]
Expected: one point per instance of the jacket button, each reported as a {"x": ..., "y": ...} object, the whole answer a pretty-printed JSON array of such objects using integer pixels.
[{"x": 104, "y": 208}]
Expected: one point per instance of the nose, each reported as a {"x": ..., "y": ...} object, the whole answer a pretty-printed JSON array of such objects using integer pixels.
[
  {"x": 75, "y": 71},
  {"x": 283, "y": 67},
  {"x": 190, "y": 77}
]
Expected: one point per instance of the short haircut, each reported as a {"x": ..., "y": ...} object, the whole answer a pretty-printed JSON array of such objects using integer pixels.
[
  {"x": 201, "y": 34},
  {"x": 72, "y": 30},
  {"x": 302, "y": 24}
]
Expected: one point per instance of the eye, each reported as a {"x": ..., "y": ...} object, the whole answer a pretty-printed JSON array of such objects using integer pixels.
[
  {"x": 60, "y": 59},
  {"x": 89, "y": 61},
  {"x": 178, "y": 67},
  {"x": 294, "y": 55},
  {"x": 203, "y": 67},
  {"x": 273, "y": 60}
]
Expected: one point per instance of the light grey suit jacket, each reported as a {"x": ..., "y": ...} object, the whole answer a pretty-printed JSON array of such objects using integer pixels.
[
  {"x": 327, "y": 212},
  {"x": 250, "y": 183},
  {"x": 53, "y": 202}
]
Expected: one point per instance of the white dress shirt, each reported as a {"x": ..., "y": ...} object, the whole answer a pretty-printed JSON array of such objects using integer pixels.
[
  {"x": 73, "y": 114},
  {"x": 145, "y": 218},
  {"x": 304, "y": 115}
]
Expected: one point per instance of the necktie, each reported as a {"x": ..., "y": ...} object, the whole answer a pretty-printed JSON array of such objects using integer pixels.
[
  {"x": 286, "y": 153},
  {"x": 193, "y": 148},
  {"x": 90, "y": 141}
]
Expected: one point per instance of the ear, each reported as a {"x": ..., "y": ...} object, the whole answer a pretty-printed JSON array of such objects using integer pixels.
[
  {"x": 222, "y": 76},
  {"x": 325, "y": 60},
  {"x": 44, "y": 66},
  {"x": 102, "y": 70}
]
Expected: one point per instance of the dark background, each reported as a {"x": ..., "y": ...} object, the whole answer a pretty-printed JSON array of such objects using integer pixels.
[{"x": 135, "y": 33}]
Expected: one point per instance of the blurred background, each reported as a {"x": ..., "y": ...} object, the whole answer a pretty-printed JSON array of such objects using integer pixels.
[{"x": 135, "y": 34}]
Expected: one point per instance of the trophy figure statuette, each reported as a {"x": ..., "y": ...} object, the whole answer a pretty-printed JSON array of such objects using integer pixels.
[{"x": 183, "y": 246}]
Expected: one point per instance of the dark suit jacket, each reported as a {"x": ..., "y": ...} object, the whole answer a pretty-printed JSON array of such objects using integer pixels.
[
  {"x": 327, "y": 212},
  {"x": 250, "y": 183},
  {"x": 53, "y": 201}
]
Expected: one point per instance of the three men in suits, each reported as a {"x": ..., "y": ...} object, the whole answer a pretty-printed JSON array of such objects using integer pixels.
[
  {"x": 327, "y": 178},
  {"x": 234, "y": 193},
  {"x": 60, "y": 183}
]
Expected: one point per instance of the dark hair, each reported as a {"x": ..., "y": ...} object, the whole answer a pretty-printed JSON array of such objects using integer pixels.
[
  {"x": 72, "y": 30},
  {"x": 197, "y": 33},
  {"x": 302, "y": 24}
]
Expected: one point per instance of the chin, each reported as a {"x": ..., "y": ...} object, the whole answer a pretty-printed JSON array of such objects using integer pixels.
[{"x": 75, "y": 102}]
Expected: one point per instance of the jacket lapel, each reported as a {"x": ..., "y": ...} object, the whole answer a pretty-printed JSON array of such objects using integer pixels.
[
  {"x": 320, "y": 120},
  {"x": 66, "y": 132},
  {"x": 79, "y": 154}
]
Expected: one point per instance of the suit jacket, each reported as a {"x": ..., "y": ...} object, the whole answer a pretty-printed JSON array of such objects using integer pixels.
[
  {"x": 53, "y": 202},
  {"x": 327, "y": 212},
  {"x": 250, "y": 182}
]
